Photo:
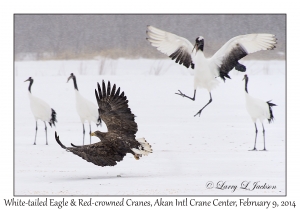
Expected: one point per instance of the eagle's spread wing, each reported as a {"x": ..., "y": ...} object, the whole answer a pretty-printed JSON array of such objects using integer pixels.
[
  {"x": 176, "y": 47},
  {"x": 114, "y": 110},
  {"x": 120, "y": 138},
  {"x": 101, "y": 153}
]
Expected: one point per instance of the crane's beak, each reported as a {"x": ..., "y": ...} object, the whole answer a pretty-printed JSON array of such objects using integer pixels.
[
  {"x": 194, "y": 47},
  {"x": 244, "y": 77},
  {"x": 93, "y": 134},
  {"x": 27, "y": 80},
  {"x": 70, "y": 77}
]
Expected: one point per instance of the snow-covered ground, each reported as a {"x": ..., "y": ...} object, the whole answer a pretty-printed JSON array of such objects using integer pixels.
[{"x": 189, "y": 153}]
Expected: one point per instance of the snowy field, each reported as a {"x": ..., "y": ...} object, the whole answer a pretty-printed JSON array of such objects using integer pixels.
[{"x": 189, "y": 153}]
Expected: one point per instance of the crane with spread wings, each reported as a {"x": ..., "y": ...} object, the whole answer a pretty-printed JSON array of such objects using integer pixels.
[{"x": 208, "y": 69}]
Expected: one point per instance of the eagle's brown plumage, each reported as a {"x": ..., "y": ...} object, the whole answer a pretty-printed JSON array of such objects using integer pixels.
[{"x": 120, "y": 138}]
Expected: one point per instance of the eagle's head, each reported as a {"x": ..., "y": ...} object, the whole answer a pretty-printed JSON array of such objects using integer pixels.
[{"x": 98, "y": 134}]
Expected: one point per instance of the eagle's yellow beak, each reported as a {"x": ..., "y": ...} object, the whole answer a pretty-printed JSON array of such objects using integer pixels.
[
  {"x": 136, "y": 156},
  {"x": 93, "y": 134}
]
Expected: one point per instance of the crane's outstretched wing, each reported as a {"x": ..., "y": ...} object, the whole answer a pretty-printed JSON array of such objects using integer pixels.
[
  {"x": 174, "y": 46},
  {"x": 101, "y": 153},
  {"x": 114, "y": 110},
  {"x": 227, "y": 57}
]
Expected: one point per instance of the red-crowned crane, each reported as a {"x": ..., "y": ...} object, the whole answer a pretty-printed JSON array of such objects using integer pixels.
[
  {"x": 258, "y": 110},
  {"x": 220, "y": 64},
  {"x": 40, "y": 110},
  {"x": 86, "y": 109}
]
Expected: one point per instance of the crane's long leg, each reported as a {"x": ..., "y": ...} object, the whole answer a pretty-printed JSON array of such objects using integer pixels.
[
  {"x": 264, "y": 137},
  {"x": 83, "y": 133},
  {"x": 90, "y": 133},
  {"x": 36, "y": 128},
  {"x": 183, "y": 95},
  {"x": 46, "y": 132},
  {"x": 210, "y": 100},
  {"x": 254, "y": 149}
]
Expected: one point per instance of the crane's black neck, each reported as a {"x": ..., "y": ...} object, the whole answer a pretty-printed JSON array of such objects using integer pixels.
[
  {"x": 29, "y": 87},
  {"x": 75, "y": 83},
  {"x": 201, "y": 45},
  {"x": 246, "y": 84}
]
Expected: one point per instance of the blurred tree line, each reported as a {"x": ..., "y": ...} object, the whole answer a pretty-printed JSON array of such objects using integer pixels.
[{"x": 74, "y": 36}]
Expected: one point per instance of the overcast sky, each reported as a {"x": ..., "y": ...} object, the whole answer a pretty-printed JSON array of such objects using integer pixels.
[{"x": 125, "y": 35}]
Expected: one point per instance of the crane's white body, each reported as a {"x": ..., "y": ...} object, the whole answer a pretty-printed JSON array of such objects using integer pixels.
[
  {"x": 205, "y": 76},
  {"x": 86, "y": 109},
  {"x": 257, "y": 108},
  {"x": 40, "y": 109}
]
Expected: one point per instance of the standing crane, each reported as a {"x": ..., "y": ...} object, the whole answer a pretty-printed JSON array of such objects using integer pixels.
[
  {"x": 86, "y": 109},
  {"x": 40, "y": 110},
  {"x": 258, "y": 109}
]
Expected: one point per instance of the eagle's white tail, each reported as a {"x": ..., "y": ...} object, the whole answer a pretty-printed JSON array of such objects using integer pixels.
[{"x": 144, "y": 148}]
